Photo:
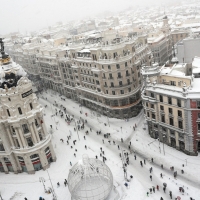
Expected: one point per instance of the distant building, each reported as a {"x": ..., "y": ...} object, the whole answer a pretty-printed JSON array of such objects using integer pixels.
[{"x": 171, "y": 103}]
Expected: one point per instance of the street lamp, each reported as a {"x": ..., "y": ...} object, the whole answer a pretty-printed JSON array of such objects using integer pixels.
[
  {"x": 163, "y": 143},
  {"x": 53, "y": 192},
  {"x": 76, "y": 129},
  {"x": 41, "y": 179}
]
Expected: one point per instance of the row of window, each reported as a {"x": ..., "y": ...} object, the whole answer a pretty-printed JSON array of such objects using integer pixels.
[{"x": 20, "y": 110}]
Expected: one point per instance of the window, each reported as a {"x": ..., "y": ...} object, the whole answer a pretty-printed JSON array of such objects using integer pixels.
[
  {"x": 138, "y": 74},
  {"x": 128, "y": 81},
  {"x": 161, "y": 98},
  {"x": 113, "y": 92},
  {"x": 2, "y": 147},
  {"x": 198, "y": 104},
  {"x": 148, "y": 114},
  {"x": 36, "y": 123},
  {"x": 122, "y": 91},
  {"x": 172, "y": 132},
  {"x": 178, "y": 102},
  {"x": 171, "y": 121},
  {"x": 169, "y": 100},
  {"x": 153, "y": 116},
  {"x": 198, "y": 126},
  {"x": 126, "y": 64},
  {"x": 147, "y": 105},
  {"x": 120, "y": 83},
  {"x": 20, "y": 111},
  {"x": 8, "y": 112},
  {"x": 163, "y": 118},
  {"x": 117, "y": 66},
  {"x": 152, "y": 95},
  {"x": 25, "y": 128},
  {"x": 152, "y": 105},
  {"x": 170, "y": 111},
  {"x": 106, "y": 91},
  {"x": 40, "y": 136},
  {"x": 111, "y": 84},
  {"x": 129, "y": 89},
  {"x": 119, "y": 75},
  {"x": 180, "y": 124},
  {"x": 109, "y": 67},
  {"x": 29, "y": 142},
  {"x": 164, "y": 129},
  {"x": 198, "y": 115},
  {"x": 179, "y": 113},
  {"x": 173, "y": 83},
  {"x": 31, "y": 106},
  {"x": 110, "y": 76},
  {"x": 161, "y": 107},
  {"x": 13, "y": 130}
]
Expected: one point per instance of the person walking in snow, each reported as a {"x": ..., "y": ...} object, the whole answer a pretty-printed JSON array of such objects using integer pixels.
[
  {"x": 58, "y": 184},
  {"x": 150, "y": 177},
  {"x": 147, "y": 194},
  {"x": 85, "y": 147},
  {"x": 74, "y": 155},
  {"x": 170, "y": 194},
  {"x": 157, "y": 187},
  {"x": 141, "y": 164},
  {"x": 135, "y": 157},
  {"x": 161, "y": 175},
  {"x": 25, "y": 198},
  {"x": 118, "y": 146},
  {"x": 84, "y": 137},
  {"x": 152, "y": 160},
  {"x": 70, "y": 163},
  {"x": 153, "y": 189},
  {"x": 122, "y": 140},
  {"x": 164, "y": 189},
  {"x": 161, "y": 198},
  {"x": 144, "y": 161},
  {"x": 103, "y": 141}
]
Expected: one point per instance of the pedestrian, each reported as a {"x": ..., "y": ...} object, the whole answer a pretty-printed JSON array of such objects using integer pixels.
[
  {"x": 153, "y": 189},
  {"x": 150, "y": 177},
  {"x": 70, "y": 163},
  {"x": 71, "y": 147},
  {"x": 114, "y": 142},
  {"x": 91, "y": 129},
  {"x": 161, "y": 175},
  {"x": 65, "y": 183},
  {"x": 157, "y": 187},
  {"x": 101, "y": 149},
  {"x": 161, "y": 198},
  {"x": 135, "y": 157},
  {"x": 40, "y": 198},
  {"x": 162, "y": 166},
  {"x": 164, "y": 189},
  {"x": 109, "y": 141},
  {"x": 129, "y": 147},
  {"x": 74, "y": 155},
  {"x": 103, "y": 141},
  {"x": 118, "y": 146},
  {"x": 85, "y": 147},
  {"x": 84, "y": 137},
  {"x": 130, "y": 142},
  {"x": 58, "y": 184},
  {"x": 25, "y": 198},
  {"x": 170, "y": 194},
  {"x": 152, "y": 160},
  {"x": 150, "y": 189},
  {"x": 96, "y": 157},
  {"x": 141, "y": 164},
  {"x": 67, "y": 142},
  {"x": 103, "y": 152},
  {"x": 147, "y": 194},
  {"x": 76, "y": 150},
  {"x": 122, "y": 140},
  {"x": 144, "y": 161},
  {"x": 150, "y": 170}
]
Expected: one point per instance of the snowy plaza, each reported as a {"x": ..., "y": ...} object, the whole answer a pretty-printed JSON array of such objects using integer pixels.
[{"x": 143, "y": 147}]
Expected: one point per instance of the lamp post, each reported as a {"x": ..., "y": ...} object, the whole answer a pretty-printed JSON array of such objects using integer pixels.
[
  {"x": 186, "y": 161},
  {"x": 53, "y": 192},
  {"x": 41, "y": 179},
  {"x": 76, "y": 129},
  {"x": 163, "y": 144}
]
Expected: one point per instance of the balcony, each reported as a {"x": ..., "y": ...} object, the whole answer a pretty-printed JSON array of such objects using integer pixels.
[{"x": 119, "y": 77}]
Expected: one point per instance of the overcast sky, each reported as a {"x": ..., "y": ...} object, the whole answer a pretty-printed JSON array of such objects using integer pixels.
[{"x": 32, "y": 15}]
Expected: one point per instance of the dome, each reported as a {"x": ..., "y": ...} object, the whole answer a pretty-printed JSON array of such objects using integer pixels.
[{"x": 90, "y": 179}]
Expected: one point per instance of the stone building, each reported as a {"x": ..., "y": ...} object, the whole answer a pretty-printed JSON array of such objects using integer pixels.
[
  {"x": 171, "y": 104},
  {"x": 25, "y": 145}
]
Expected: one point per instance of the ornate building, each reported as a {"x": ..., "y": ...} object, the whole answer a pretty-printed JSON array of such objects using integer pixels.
[{"x": 25, "y": 145}]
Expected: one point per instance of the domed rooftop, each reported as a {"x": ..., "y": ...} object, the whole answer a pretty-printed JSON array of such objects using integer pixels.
[{"x": 90, "y": 179}]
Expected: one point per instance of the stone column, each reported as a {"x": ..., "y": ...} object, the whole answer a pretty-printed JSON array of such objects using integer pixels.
[
  {"x": 33, "y": 133},
  {"x": 13, "y": 162},
  {"x": 19, "y": 167},
  {"x": 10, "y": 138},
  {"x": 43, "y": 159},
  {"x": 43, "y": 126},
  {"x": 22, "y": 137},
  {"x": 52, "y": 152},
  {"x": 18, "y": 138},
  {"x": 4, "y": 166},
  {"x": 36, "y": 132},
  {"x": 29, "y": 165}
]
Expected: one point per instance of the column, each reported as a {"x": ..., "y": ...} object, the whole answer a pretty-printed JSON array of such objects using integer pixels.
[
  {"x": 43, "y": 159},
  {"x": 18, "y": 137},
  {"x": 4, "y": 166},
  {"x": 177, "y": 141},
  {"x": 19, "y": 167},
  {"x": 29, "y": 165},
  {"x": 13, "y": 162},
  {"x": 43, "y": 126},
  {"x": 22, "y": 137},
  {"x": 33, "y": 133},
  {"x": 52, "y": 152},
  {"x": 10, "y": 138},
  {"x": 36, "y": 132}
]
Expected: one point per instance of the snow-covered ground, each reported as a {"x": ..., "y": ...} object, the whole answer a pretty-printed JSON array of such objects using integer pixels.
[{"x": 16, "y": 187}]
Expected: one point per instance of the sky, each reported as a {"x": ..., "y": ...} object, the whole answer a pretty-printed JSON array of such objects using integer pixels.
[{"x": 33, "y": 15}]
